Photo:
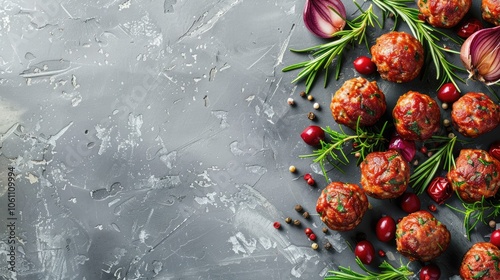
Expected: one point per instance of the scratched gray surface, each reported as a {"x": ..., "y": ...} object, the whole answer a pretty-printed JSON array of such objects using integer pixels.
[{"x": 152, "y": 139}]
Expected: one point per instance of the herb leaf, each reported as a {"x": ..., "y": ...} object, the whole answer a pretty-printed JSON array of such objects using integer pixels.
[{"x": 387, "y": 271}]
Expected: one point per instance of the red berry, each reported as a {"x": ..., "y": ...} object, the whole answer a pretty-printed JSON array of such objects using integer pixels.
[
  {"x": 495, "y": 238},
  {"x": 430, "y": 272},
  {"x": 385, "y": 229},
  {"x": 494, "y": 150},
  {"x": 364, "y": 251},
  {"x": 381, "y": 253},
  {"x": 312, "y": 237},
  {"x": 432, "y": 208},
  {"x": 448, "y": 93},
  {"x": 311, "y": 182},
  {"x": 313, "y": 135},
  {"x": 468, "y": 27},
  {"x": 364, "y": 65},
  {"x": 410, "y": 202},
  {"x": 308, "y": 231},
  {"x": 307, "y": 176},
  {"x": 277, "y": 225},
  {"x": 440, "y": 190}
]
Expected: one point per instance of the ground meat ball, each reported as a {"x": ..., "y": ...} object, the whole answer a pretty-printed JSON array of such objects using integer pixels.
[
  {"x": 419, "y": 236},
  {"x": 491, "y": 11},
  {"x": 443, "y": 13},
  {"x": 384, "y": 175},
  {"x": 341, "y": 206},
  {"x": 475, "y": 114},
  {"x": 399, "y": 56},
  {"x": 476, "y": 174},
  {"x": 358, "y": 98},
  {"x": 481, "y": 262},
  {"x": 416, "y": 116}
]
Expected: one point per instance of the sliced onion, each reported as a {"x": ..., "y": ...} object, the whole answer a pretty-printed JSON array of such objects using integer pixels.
[
  {"x": 480, "y": 54},
  {"x": 406, "y": 148},
  {"x": 324, "y": 17}
]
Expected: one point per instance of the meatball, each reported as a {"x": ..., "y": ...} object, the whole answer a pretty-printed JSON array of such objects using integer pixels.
[
  {"x": 416, "y": 116},
  {"x": 481, "y": 262},
  {"x": 443, "y": 13},
  {"x": 491, "y": 11},
  {"x": 399, "y": 56},
  {"x": 419, "y": 236},
  {"x": 474, "y": 114},
  {"x": 384, "y": 175},
  {"x": 476, "y": 174},
  {"x": 358, "y": 98},
  {"x": 341, "y": 206}
]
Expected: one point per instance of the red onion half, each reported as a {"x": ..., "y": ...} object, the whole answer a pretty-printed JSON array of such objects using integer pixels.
[
  {"x": 480, "y": 54},
  {"x": 406, "y": 148},
  {"x": 324, "y": 17}
]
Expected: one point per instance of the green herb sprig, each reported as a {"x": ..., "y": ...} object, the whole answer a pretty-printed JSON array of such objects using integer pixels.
[
  {"x": 324, "y": 54},
  {"x": 425, "y": 172},
  {"x": 479, "y": 211},
  {"x": 365, "y": 141},
  {"x": 428, "y": 35},
  {"x": 387, "y": 272}
]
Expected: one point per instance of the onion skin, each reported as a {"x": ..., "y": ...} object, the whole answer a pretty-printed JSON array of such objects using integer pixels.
[
  {"x": 480, "y": 54},
  {"x": 321, "y": 20},
  {"x": 406, "y": 148}
]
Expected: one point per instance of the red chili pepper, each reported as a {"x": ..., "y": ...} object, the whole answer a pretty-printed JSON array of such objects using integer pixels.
[
  {"x": 440, "y": 190},
  {"x": 468, "y": 27},
  {"x": 494, "y": 150}
]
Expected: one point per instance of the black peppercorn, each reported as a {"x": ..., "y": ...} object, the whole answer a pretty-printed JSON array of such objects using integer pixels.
[
  {"x": 296, "y": 222},
  {"x": 288, "y": 220},
  {"x": 305, "y": 215},
  {"x": 298, "y": 208},
  {"x": 328, "y": 245},
  {"x": 311, "y": 116},
  {"x": 325, "y": 229}
]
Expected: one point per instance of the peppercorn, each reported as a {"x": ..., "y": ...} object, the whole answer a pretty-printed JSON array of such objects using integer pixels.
[
  {"x": 310, "y": 97},
  {"x": 446, "y": 122},
  {"x": 302, "y": 93},
  {"x": 292, "y": 169},
  {"x": 492, "y": 224},
  {"x": 290, "y": 101},
  {"x": 444, "y": 106},
  {"x": 357, "y": 155},
  {"x": 325, "y": 230},
  {"x": 296, "y": 222},
  {"x": 312, "y": 237},
  {"x": 305, "y": 215},
  {"x": 316, "y": 106},
  {"x": 432, "y": 208},
  {"x": 451, "y": 135},
  {"x": 315, "y": 246},
  {"x": 311, "y": 116},
  {"x": 298, "y": 208},
  {"x": 277, "y": 225},
  {"x": 288, "y": 220},
  {"x": 423, "y": 150},
  {"x": 381, "y": 253},
  {"x": 328, "y": 245}
]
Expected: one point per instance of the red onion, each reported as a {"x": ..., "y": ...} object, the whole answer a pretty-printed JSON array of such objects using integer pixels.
[
  {"x": 406, "y": 148},
  {"x": 480, "y": 54},
  {"x": 324, "y": 17}
]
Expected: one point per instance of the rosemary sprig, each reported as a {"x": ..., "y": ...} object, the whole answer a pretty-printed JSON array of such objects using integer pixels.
[
  {"x": 365, "y": 141},
  {"x": 324, "y": 54},
  {"x": 387, "y": 272},
  {"x": 428, "y": 35},
  {"x": 424, "y": 173},
  {"x": 479, "y": 211}
]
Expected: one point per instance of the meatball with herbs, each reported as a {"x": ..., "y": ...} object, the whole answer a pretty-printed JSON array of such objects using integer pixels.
[
  {"x": 384, "y": 175},
  {"x": 476, "y": 174},
  {"x": 475, "y": 114},
  {"x": 356, "y": 99},
  {"x": 481, "y": 262},
  {"x": 490, "y": 10},
  {"x": 341, "y": 206},
  {"x": 443, "y": 13},
  {"x": 420, "y": 236},
  {"x": 399, "y": 56},
  {"x": 416, "y": 116}
]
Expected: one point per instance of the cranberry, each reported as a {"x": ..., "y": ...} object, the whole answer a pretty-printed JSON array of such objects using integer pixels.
[
  {"x": 308, "y": 231},
  {"x": 430, "y": 272},
  {"x": 381, "y": 253},
  {"x": 448, "y": 93},
  {"x": 468, "y": 27},
  {"x": 277, "y": 225},
  {"x": 495, "y": 238},
  {"x": 440, "y": 190},
  {"x": 494, "y": 150},
  {"x": 410, "y": 202},
  {"x": 385, "y": 229},
  {"x": 311, "y": 182},
  {"x": 307, "y": 176},
  {"x": 364, "y": 65},
  {"x": 313, "y": 135},
  {"x": 312, "y": 237},
  {"x": 364, "y": 251}
]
